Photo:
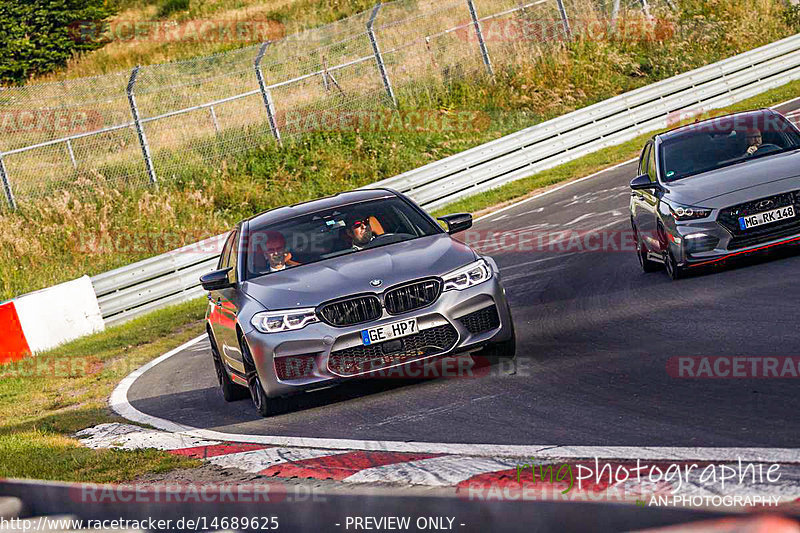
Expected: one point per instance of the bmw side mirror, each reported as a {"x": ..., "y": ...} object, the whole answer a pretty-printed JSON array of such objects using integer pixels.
[
  {"x": 217, "y": 280},
  {"x": 457, "y": 222},
  {"x": 641, "y": 183}
]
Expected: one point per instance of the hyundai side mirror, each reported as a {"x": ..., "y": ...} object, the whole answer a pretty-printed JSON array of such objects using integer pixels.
[
  {"x": 457, "y": 222},
  {"x": 217, "y": 280},
  {"x": 642, "y": 183}
]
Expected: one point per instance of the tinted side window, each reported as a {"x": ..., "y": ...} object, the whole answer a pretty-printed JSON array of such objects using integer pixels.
[
  {"x": 226, "y": 252},
  {"x": 643, "y": 160},
  {"x": 233, "y": 258},
  {"x": 652, "y": 169}
]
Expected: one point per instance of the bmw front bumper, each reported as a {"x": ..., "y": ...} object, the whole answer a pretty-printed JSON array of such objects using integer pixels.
[{"x": 314, "y": 354}]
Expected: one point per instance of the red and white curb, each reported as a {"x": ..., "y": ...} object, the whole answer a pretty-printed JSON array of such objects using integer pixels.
[{"x": 473, "y": 477}]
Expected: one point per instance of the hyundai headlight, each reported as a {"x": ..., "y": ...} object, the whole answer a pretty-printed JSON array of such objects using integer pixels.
[
  {"x": 279, "y": 321},
  {"x": 688, "y": 212},
  {"x": 468, "y": 276}
]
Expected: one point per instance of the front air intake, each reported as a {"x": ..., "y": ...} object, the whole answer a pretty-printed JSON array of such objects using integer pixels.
[{"x": 351, "y": 311}]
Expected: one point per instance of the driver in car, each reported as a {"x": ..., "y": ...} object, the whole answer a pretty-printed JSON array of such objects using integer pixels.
[
  {"x": 753, "y": 140},
  {"x": 358, "y": 230}
]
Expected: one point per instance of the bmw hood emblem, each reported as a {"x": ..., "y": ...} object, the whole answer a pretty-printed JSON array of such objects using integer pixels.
[{"x": 376, "y": 282}]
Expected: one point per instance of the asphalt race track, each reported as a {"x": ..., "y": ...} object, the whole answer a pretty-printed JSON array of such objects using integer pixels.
[{"x": 594, "y": 336}]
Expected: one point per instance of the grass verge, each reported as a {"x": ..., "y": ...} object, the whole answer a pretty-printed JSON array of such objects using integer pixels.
[{"x": 46, "y": 399}]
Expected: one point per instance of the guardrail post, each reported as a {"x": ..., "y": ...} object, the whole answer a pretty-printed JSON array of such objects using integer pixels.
[
  {"x": 266, "y": 95},
  {"x": 481, "y": 42},
  {"x": 7, "y": 185},
  {"x": 148, "y": 161},
  {"x": 378, "y": 56},
  {"x": 564, "y": 19}
]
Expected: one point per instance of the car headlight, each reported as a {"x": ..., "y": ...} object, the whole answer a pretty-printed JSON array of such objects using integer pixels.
[
  {"x": 688, "y": 212},
  {"x": 467, "y": 276},
  {"x": 278, "y": 321}
]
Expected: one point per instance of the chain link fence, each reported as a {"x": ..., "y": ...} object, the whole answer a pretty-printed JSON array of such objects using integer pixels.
[{"x": 149, "y": 125}]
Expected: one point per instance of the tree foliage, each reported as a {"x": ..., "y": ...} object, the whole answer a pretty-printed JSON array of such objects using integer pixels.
[{"x": 39, "y": 36}]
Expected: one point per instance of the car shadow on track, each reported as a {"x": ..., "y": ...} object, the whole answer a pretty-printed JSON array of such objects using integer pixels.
[{"x": 169, "y": 406}]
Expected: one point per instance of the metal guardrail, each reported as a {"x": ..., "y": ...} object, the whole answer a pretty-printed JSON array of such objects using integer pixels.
[
  {"x": 606, "y": 123},
  {"x": 160, "y": 281},
  {"x": 172, "y": 278}
]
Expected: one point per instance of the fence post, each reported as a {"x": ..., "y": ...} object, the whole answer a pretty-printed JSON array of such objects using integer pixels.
[
  {"x": 477, "y": 23},
  {"x": 148, "y": 161},
  {"x": 72, "y": 154},
  {"x": 564, "y": 19},
  {"x": 378, "y": 56},
  {"x": 214, "y": 119},
  {"x": 266, "y": 95},
  {"x": 7, "y": 185},
  {"x": 646, "y": 8}
]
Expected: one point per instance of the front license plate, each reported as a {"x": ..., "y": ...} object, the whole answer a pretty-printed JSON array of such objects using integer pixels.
[
  {"x": 389, "y": 331},
  {"x": 767, "y": 217}
]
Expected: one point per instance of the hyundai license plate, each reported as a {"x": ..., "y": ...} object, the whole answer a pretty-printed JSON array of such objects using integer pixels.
[{"x": 766, "y": 217}]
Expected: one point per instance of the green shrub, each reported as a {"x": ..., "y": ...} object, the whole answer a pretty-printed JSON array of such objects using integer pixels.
[
  {"x": 791, "y": 16},
  {"x": 39, "y": 36},
  {"x": 168, "y": 7}
]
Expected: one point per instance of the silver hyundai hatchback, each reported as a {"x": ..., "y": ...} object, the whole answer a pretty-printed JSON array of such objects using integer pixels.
[
  {"x": 718, "y": 189},
  {"x": 343, "y": 287}
]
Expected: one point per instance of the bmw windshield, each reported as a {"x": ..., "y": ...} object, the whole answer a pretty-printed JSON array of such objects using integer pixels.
[
  {"x": 723, "y": 142},
  {"x": 332, "y": 233}
]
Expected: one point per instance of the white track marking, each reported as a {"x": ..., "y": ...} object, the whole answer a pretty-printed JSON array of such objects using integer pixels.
[
  {"x": 537, "y": 261},
  {"x": 582, "y": 218},
  {"x": 119, "y": 403},
  {"x": 258, "y": 460},
  {"x": 418, "y": 416},
  {"x": 554, "y": 189},
  {"x": 119, "y": 398},
  {"x": 438, "y": 471}
]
